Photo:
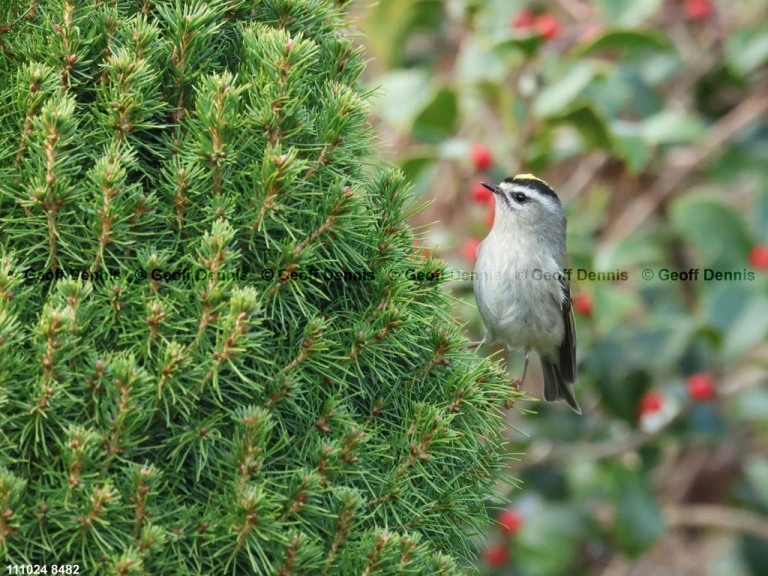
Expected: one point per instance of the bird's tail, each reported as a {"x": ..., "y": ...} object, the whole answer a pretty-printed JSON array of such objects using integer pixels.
[{"x": 555, "y": 386}]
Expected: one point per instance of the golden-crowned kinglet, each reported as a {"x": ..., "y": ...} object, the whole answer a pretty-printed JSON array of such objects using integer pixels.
[{"x": 522, "y": 292}]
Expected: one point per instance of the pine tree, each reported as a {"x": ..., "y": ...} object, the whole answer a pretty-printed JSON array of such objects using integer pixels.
[{"x": 218, "y": 350}]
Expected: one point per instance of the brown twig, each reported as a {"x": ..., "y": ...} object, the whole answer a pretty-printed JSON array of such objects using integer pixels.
[
  {"x": 714, "y": 516},
  {"x": 593, "y": 451},
  {"x": 587, "y": 172}
]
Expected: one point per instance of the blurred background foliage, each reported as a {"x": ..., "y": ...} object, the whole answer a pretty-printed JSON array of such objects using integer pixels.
[{"x": 650, "y": 119}]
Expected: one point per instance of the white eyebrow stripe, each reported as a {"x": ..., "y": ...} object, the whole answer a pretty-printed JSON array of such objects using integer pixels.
[{"x": 547, "y": 201}]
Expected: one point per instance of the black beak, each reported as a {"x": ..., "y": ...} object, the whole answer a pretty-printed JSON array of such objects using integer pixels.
[{"x": 492, "y": 187}]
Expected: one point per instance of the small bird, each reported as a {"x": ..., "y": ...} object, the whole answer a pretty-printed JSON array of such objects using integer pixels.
[{"x": 522, "y": 292}]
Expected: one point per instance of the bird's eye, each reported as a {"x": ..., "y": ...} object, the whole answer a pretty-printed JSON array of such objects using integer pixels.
[{"x": 519, "y": 197}]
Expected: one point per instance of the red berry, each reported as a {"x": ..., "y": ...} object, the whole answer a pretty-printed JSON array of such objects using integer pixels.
[
  {"x": 524, "y": 20},
  {"x": 582, "y": 303},
  {"x": 701, "y": 387},
  {"x": 510, "y": 521},
  {"x": 480, "y": 193},
  {"x": 651, "y": 402},
  {"x": 481, "y": 157},
  {"x": 548, "y": 26},
  {"x": 497, "y": 555},
  {"x": 758, "y": 257},
  {"x": 697, "y": 9},
  {"x": 491, "y": 215},
  {"x": 469, "y": 250}
]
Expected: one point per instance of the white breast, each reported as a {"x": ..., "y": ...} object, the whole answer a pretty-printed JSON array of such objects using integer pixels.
[{"x": 518, "y": 296}]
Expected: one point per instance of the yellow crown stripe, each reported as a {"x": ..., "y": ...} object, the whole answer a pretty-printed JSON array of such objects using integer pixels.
[{"x": 529, "y": 177}]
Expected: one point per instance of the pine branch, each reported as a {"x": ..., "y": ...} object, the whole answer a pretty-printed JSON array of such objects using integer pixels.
[{"x": 199, "y": 276}]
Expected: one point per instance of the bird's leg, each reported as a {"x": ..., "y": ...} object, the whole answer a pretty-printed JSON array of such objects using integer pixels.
[
  {"x": 517, "y": 383},
  {"x": 525, "y": 365}
]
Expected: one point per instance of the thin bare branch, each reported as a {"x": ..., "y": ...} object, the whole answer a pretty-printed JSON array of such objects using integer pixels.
[{"x": 717, "y": 517}]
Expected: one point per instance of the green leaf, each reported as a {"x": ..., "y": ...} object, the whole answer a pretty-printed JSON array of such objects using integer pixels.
[
  {"x": 638, "y": 518},
  {"x": 671, "y": 127},
  {"x": 722, "y": 304},
  {"x": 421, "y": 173},
  {"x": 427, "y": 15},
  {"x": 589, "y": 124},
  {"x": 748, "y": 157},
  {"x": 756, "y": 471},
  {"x": 386, "y": 22},
  {"x": 634, "y": 151},
  {"x": 560, "y": 94},
  {"x": 748, "y": 329},
  {"x": 761, "y": 217},
  {"x": 630, "y": 146},
  {"x": 438, "y": 120},
  {"x": 623, "y": 13},
  {"x": 478, "y": 62},
  {"x": 527, "y": 45},
  {"x": 414, "y": 166},
  {"x": 626, "y": 41},
  {"x": 390, "y": 21},
  {"x": 620, "y": 390},
  {"x": 754, "y": 554},
  {"x": 715, "y": 230},
  {"x": 622, "y": 359},
  {"x": 658, "y": 68},
  {"x": 752, "y": 406},
  {"x": 402, "y": 95},
  {"x": 746, "y": 49},
  {"x": 615, "y": 304},
  {"x": 642, "y": 247},
  {"x": 704, "y": 420}
]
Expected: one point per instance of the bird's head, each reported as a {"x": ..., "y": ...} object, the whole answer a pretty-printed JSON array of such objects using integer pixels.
[{"x": 527, "y": 204}]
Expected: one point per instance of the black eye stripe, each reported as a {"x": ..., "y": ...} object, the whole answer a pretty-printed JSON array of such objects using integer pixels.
[{"x": 534, "y": 184}]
